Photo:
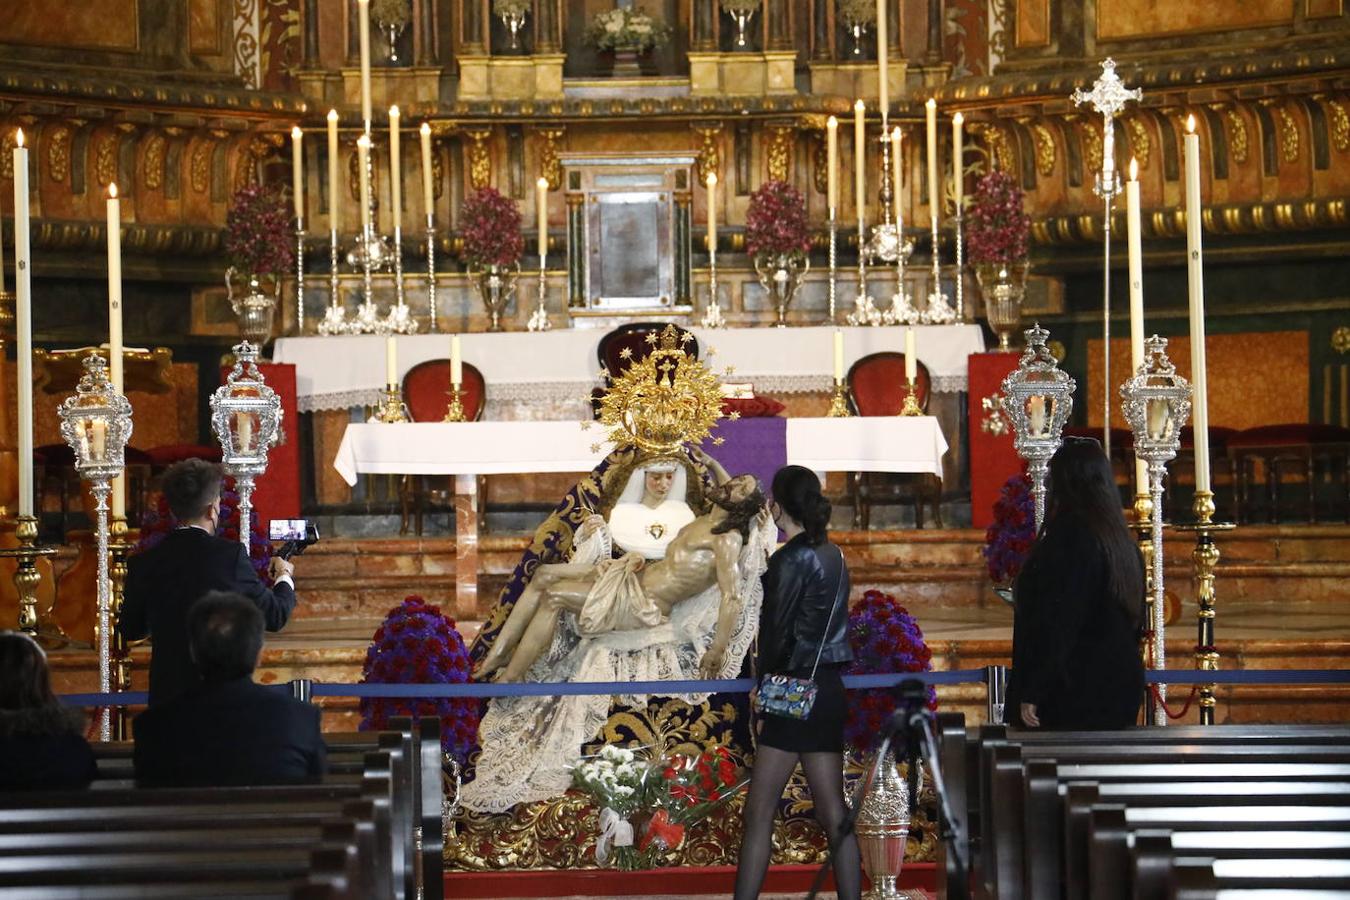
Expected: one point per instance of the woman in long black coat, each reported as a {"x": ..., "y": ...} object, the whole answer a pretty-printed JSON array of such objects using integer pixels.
[
  {"x": 1079, "y": 605},
  {"x": 42, "y": 743}
]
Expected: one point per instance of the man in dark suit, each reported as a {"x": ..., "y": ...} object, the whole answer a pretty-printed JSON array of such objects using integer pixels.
[
  {"x": 228, "y": 730},
  {"x": 167, "y": 579}
]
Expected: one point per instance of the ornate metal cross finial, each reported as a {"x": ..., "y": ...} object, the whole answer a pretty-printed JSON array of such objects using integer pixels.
[{"x": 1108, "y": 97}]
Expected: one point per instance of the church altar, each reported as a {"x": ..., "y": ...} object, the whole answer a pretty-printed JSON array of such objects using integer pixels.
[{"x": 549, "y": 375}]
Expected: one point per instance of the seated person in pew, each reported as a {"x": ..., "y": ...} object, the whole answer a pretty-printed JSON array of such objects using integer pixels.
[
  {"x": 1079, "y": 605},
  {"x": 228, "y": 731},
  {"x": 42, "y": 743}
]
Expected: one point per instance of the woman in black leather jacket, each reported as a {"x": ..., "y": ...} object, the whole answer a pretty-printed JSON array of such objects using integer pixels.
[{"x": 803, "y": 628}]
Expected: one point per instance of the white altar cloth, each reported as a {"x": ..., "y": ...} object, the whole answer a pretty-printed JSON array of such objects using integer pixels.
[
  {"x": 560, "y": 367},
  {"x": 870, "y": 444}
]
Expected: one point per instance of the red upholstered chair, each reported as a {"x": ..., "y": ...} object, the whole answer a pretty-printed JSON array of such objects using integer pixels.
[
  {"x": 1311, "y": 453},
  {"x": 877, "y": 387},
  {"x": 426, "y": 391},
  {"x": 631, "y": 336}
]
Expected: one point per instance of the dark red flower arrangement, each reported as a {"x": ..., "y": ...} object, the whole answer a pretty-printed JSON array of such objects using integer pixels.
[
  {"x": 775, "y": 223},
  {"x": 158, "y": 520},
  {"x": 490, "y": 229},
  {"x": 997, "y": 229},
  {"x": 259, "y": 233},
  {"x": 885, "y": 639},
  {"x": 417, "y": 644},
  {"x": 1007, "y": 542}
]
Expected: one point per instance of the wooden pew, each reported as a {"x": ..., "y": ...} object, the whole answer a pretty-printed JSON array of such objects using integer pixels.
[{"x": 1161, "y": 862}]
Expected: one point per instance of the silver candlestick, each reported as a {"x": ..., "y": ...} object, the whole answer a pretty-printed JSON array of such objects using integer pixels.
[
  {"x": 1107, "y": 97},
  {"x": 834, "y": 261},
  {"x": 431, "y": 268},
  {"x": 299, "y": 275},
  {"x": 960, "y": 257},
  {"x": 539, "y": 318},
  {"x": 712, "y": 316},
  {"x": 334, "y": 317}
]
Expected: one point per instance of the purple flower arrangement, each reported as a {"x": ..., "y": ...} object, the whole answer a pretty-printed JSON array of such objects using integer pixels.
[
  {"x": 490, "y": 229},
  {"x": 259, "y": 234},
  {"x": 417, "y": 644},
  {"x": 158, "y": 520},
  {"x": 1007, "y": 542},
  {"x": 885, "y": 639},
  {"x": 997, "y": 229},
  {"x": 775, "y": 223}
]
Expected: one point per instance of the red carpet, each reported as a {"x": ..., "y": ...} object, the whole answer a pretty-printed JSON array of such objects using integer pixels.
[{"x": 689, "y": 882}]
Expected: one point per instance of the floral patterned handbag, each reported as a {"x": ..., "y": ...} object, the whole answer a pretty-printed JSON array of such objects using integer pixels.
[{"x": 787, "y": 695}]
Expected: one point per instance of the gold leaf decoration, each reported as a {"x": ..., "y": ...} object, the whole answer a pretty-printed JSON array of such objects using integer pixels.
[
  {"x": 58, "y": 153},
  {"x": 1045, "y": 149}
]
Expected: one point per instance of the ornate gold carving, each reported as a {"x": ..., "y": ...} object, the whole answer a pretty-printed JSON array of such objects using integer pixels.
[
  {"x": 7, "y": 139},
  {"x": 1340, "y": 126},
  {"x": 778, "y": 151},
  {"x": 199, "y": 166},
  {"x": 1238, "y": 144},
  {"x": 709, "y": 155},
  {"x": 664, "y": 400},
  {"x": 994, "y": 421},
  {"x": 549, "y": 164},
  {"x": 1001, "y": 155},
  {"x": 1288, "y": 134},
  {"x": 245, "y": 170},
  {"x": 437, "y": 174},
  {"x": 153, "y": 162},
  {"x": 105, "y": 158},
  {"x": 1092, "y": 146},
  {"x": 1340, "y": 339},
  {"x": 480, "y": 157},
  {"x": 820, "y": 161},
  {"x": 1045, "y": 148},
  {"x": 354, "y": 175},
  {"x": 58, "y": 153},
  {"x": 1140, "y": 144}
]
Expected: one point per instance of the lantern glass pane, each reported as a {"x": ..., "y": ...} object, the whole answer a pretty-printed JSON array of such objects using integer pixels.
[
  {"x": 1159, "y": 419},
  {"x": 93, "y": 440},
  {"x": 1040, "y": 410},
  {"x": 244, "y": 433}
]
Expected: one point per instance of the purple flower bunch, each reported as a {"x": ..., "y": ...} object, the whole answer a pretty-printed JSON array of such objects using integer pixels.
[
  {"x": 259, "y": 235},
  {"x": 417, "y": 644},
  {"x": 158, "y": 520},
  {"x": 885, "y": 638},
  {"x": 490, "y": 228},
  {"x": 775, "y": 223},
  {"x": 1007, "y": 542},
  {"x": 997, "y": 229}
]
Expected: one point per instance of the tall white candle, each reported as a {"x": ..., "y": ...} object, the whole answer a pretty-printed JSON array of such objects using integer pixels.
[
  {"x": 1196, "y": 285},
  {"x": 711, "y": 185},
  {"x": 897, "y": 173},
  {"x": 334, "y": 181},
  {"x": 23, "y": 321},
  {"x": 119, "y": 499},
  {"x": 860, "y": 164},
  {"x": 958, "y": 159},
  {"x": 363, "y": 32},
  {"x": 362, "y": 163},
  {"x": 298, "y": 171},
  {"x": 883, "y": 88},
  {"x": 838, "y": 356},
  {"x": 541, "y": 210},
  {"x": 832, "y": 162},
  {"x": 395, "y": 168},
  {"x": 1133, "y": 240},
  {"x": 934, "y": 198},
  {"x": 428, "y": 195},
  {"x": 390, "y": 360},
  {"x": 456, "y": 362},
  {"x": 911, "y": 357}
]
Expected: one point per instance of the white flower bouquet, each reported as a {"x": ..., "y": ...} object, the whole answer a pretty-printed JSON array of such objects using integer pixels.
[{"x": 622, "y": 28}]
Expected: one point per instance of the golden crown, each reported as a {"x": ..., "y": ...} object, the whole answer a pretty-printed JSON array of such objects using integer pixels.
[{"x": 663, "y": 400}]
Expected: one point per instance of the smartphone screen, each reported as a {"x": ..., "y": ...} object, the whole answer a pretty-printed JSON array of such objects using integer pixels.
[{"x": 287, "y": 529}]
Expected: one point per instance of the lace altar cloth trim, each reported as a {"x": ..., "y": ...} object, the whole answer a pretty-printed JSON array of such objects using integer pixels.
[
  {"x": 571, "y": 400},
  {"x": 531, "y": 744}
]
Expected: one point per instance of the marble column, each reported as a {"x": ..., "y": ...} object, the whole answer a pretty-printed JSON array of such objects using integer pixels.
[
  {"x": 353, "y": 36},
  {"x": 472, "y": 28},
  {"x": 466, "y": 546},
  {"x": 683, "y": 255},
  {"x": 933, "y": 54},
  {"x": 779, "y": 21},
  {"x": 576, "y": 250},
  {"x": 426, "y": 21},
  {"x": 824, "y": 40},
  {"x": 311, "y": 35},
  {"x": 545, "y": 26},
  {"x": 705, "y": 26},
  {"x": 893, "y": 29}
]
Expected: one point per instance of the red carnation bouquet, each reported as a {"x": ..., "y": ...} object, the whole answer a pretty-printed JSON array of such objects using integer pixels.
[
  {"x": 885, "y": 639},
  {"x": 775, "y": 223},
  {"x": 490, "y": 228},
  {"x": 1007, "y": 542},
  {"x": 997, "y": 229},
  {"x": 259, "y": 233}
]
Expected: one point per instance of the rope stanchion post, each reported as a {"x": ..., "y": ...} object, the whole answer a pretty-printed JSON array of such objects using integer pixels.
[
  {"x": 996, "y": 688},
  {"x": 302, "y": 689}
]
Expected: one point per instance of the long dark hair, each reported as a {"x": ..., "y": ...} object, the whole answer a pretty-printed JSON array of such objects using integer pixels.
[
  {"x": 1082, "y": 486},
  {"x": 796, "y": 489},
  {"x": 24, "y": 680}
]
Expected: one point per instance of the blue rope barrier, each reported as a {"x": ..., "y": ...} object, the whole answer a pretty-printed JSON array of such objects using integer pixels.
[{"x": 726, "y": 685}]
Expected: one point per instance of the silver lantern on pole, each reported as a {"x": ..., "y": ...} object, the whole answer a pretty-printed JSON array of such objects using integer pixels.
[
  {"x": 1157, "y": 403},
  {"x": 96, "y": 423},
  {"x": 246, "y": 418},
  {"x": 1038, "y": 399}
]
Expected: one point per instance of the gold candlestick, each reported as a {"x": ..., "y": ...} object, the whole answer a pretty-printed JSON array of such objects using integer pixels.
[
  {"x": 119, "y": 547},
  {"x": 392, "y": 408},
  {"x": 1143, "y": 526},
  {"x": 911, "y": 406},
  {"x": 1206, "y": 559},
  {"x": 839, "y": 405},
  {"x": 455, "y": 412},
  {"x": 27, "y": 578}
]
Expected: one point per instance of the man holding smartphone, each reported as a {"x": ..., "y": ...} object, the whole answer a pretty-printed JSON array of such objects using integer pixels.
[{"x": 163, "y": 582}]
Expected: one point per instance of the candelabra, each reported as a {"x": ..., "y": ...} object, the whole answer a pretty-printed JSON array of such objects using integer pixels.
[
  {"x": 1038, "y": 398},
  {"x": 431, "y": 268},
  {"x": 1107, "y": 98},
  {"x": 539, "y": 318},
  {"x": 712, "y": 316},
  {"x": 334, "y": 317},
  {"x": 392, "y": 409},
  {"x": 96, "y": 423},
  {"x": 246, "y": 418},
  {"x": 1205, "y": 556},
  {"x": 27, "y": 578},
  {"x": 1156, "y": 403},
  {"x": 911, "y": 405},
  {"x": 865, "y": 311},
  {"x": 959, "y": 287},
  {"x": 455, "y": 411},
  {"x": 399, "y": 320},
  {"x": 839, "y": 404},
  {"x": 834, "y": 262},
  {"x": 118, "y": 548},
  {"x": 299, "y": 274}
]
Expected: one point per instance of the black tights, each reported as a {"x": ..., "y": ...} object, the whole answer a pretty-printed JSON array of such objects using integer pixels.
[{"x": 825, "y": 777}]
